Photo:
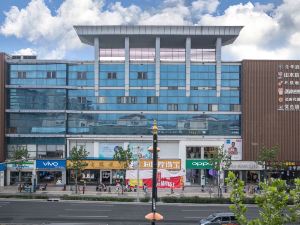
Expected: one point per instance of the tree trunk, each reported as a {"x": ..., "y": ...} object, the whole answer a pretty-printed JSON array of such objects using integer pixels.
[{"x": 76, "y": 184}]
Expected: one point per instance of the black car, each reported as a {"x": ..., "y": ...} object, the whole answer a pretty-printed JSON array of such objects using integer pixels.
[{"x": 219, "y": 219}]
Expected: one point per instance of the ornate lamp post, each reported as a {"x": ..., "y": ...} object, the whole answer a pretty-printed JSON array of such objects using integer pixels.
[{"x": 154, "y": 216}]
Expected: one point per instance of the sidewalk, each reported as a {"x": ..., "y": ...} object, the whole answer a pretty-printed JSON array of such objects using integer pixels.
[{"x": 91, "y": 191}]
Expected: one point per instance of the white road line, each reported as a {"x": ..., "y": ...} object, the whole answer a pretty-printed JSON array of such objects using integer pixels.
[
  {"x": 91, "y": 210},
  {"x": 193, "y": 217},
  {"x": 196, "y": 210},
  {"x": 78, "y": 204},
  {"x": 82, "y": 216}
]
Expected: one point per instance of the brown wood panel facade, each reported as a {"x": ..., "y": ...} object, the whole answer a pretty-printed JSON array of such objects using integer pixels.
[
  {"x": 3, "y": 69},
  {"x": 270, "y": 107}
]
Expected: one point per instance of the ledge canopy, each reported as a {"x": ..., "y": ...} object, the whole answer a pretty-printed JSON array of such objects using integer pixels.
[{"x": 144, "y": 36}]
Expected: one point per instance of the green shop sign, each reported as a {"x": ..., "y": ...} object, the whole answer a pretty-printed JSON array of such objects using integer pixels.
[{"x": 198, "y": 164}]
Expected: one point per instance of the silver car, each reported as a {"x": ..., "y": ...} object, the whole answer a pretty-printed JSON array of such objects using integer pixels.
[{"x": 219, "y": 219}]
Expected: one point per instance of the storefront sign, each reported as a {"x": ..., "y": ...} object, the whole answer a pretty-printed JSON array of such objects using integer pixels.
[
  {"x": 2, "y": 166},
  {"x": 168, "y": 164},
  {"x": 245, "y": 165},
  {"x": 21, "y": 165},
  {"x": 50, "y": 164},
  {"x": 233, "y": 147},
  {"x": 198, "y": 164},
  {"x": 100, "y": 164}
]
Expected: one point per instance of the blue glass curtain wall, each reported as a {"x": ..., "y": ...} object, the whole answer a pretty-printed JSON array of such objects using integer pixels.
[{"x": 169, "y": 124}]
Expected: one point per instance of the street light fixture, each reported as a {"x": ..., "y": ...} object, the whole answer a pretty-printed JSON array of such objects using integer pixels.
[{"x": 154, "y": 216}]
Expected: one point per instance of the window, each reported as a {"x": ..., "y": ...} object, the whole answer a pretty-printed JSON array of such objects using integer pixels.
[
  {"x": 126, "y": 100},
  {"x": 173, "y": 107},
  {"x": 82, "y": 99},
  {"x": 194, "y": 88},
  {"x": 212, "y": 107},
  {"x": 101, "y": 100},
  {"x": 81, "y": 75},
  {"x": 152, "y": 100},
  {"x": 21, "y": 74},
  {"x": 192, "y": 107},
  {"x": 51, "y": 74},
  {"x": 142, "y": 75},
  {"x": 225, "y": 218},
  {"x": 111, "y": 75},
  {"x": 172, "y": 88},
  {"x": 235, "y": 108}
]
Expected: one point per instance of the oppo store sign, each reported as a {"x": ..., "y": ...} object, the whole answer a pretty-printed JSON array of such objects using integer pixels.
[{"x": 198, "y": 164}]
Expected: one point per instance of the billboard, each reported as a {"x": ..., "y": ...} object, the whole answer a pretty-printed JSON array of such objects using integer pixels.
[{"x": 233, "y": 147}]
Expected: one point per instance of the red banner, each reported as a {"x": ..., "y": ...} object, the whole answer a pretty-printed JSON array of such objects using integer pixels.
[{"x": 164, "y": 182}]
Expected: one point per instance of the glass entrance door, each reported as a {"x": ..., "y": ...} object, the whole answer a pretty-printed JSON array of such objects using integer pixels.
[{"x": 106, "y": 177}]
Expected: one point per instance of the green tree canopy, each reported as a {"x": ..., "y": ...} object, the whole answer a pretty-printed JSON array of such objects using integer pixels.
[
  {"x": 273, "y": 202},
  {"x": 124, "y": 156},
  {"x": 77, "y": 157}
]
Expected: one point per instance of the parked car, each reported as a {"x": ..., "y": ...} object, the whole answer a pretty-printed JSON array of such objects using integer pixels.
[{"x": 219, "y": 219}]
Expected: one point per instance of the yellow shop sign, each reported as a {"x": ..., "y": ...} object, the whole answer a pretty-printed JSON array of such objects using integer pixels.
[
  {"x": 168, "y": 164},
  {"x": 100, "y": 164}
]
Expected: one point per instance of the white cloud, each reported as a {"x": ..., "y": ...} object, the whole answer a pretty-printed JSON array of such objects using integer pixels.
[
  {"x": 204, "y": 6},
  {"x": 264, "y": 35},
  {"x": 25, "y": 51},
  {"x": 269, "y": 31}
]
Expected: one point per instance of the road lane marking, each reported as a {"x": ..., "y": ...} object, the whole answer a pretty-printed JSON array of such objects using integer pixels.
[
  {"x": 78, "y": 204},
  {"x": 95, "y": 210},
  {"x": 192, "y": 217},
  {"x": 83, "y": 216},
  {"x": 196, "y": 210}
]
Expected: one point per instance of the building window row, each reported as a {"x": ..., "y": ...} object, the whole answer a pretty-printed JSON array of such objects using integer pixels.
[
  {"x": 51, "y": 74},
  {"x": 81, "y": 75},
  {"x": 126, "y": 100},
  {"x": 142, "y": 76}
]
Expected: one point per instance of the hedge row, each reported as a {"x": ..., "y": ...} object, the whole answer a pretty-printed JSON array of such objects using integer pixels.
[
  {"x": 200, "y": 200},
  {"x": 195, "y": 199}
]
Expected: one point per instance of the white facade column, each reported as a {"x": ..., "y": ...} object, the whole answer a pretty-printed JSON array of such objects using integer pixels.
[
  {"x": 64, "y": 176},
  {"x": 157, "y": 65},
  {"x": 127, "y": 61},
  {"x": 96, "y": 65},
  {"x": 218, "y": 65},
  {"x": 2, "y": 178},
  {"x": 202, "y": 171},
  {"x": 188, "y": 66}
]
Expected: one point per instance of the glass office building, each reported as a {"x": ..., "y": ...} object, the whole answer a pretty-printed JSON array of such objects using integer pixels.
[{"x": 170, "y": 74}]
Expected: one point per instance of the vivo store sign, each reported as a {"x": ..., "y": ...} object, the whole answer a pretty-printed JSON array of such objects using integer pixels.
[
  {"x": 50, "y": 164},
  {"x": 198, "y": 164}
]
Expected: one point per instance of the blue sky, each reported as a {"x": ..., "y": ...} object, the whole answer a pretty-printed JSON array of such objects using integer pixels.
[{"x": 44, "y": 27}]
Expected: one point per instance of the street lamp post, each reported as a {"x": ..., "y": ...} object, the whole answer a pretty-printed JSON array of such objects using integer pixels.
[{"x": 153, "y": 216}]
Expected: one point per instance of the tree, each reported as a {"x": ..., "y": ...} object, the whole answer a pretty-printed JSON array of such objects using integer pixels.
[
  {"x": 20, "y": 155},
  {"x": 267, "y": 158},
  {"x": 77, "y": 157},
  {"x": 273, "y": 202},
  {"x": 124, "y": 157},
  {"x": 220, "y": 161}
]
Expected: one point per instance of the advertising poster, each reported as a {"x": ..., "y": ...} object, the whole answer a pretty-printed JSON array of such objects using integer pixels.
[
  {"x": 165, "y": 178},
  {"x": 233, "y": 147},
  {"x": 107, "y": 150}
]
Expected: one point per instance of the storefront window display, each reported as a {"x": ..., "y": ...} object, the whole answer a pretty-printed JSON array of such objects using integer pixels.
[
  {"x": 49, "y": 177},
  {"x": 91, "y": 176},
  {"x": 25, "y": 177}
]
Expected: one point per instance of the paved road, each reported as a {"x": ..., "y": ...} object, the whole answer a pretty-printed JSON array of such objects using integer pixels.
[{"x": 75, "y": 212}]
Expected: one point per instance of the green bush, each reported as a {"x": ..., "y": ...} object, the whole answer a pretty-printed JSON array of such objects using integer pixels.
[
  {"x": 24, "y": 196},
  {"x": 145, "y": 199},
  {"x": 97, "y": 198},
  {"x": 198, "y": 200}
]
